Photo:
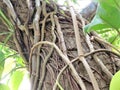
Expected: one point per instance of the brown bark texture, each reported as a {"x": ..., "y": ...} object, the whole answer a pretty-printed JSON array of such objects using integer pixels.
[{"x": 55, "y": 48}]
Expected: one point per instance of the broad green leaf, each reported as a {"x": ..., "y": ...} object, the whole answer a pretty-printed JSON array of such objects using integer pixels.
[
  {"x": 116, "y": 42},
  {"x": 100, "y": 27},
  {"x": 112, "y": 39},
  {"x": 109, "y": 14},
  {"x": 104, "y": 30},
  {"x": 16, "y": 79},
  {"x": 114, "y": 3},
  {"x": 115, "y": 82},
  {"x": 19, "y": 61},
  {"x": 2, "y": 62},
  {"x": 4, "y": 87}
]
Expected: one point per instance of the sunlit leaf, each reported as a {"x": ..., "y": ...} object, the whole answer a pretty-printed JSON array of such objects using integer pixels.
[
  {"x": 4, "y": 87},
  {"x": 16, "y": 79},
  {"x": 115, "y": 82},
  {"x": 2, "y": 62},
  {"x": 99, "y": 27},
  {"x": 114, "y": 3},
  {"x": 19, "y": 61},
  {"x": 117, "y": 41},
  {"x": 112, "y": 39},
  {"x": 109, "y": 14},
  {"x": 107, "y": 21}
]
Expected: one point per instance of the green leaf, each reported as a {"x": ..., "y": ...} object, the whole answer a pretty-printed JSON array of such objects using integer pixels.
[
  {"x": 109, "y": 14},
  {"x": 16, "y": 79},
  {"x": 96, "y": 24},
  {"x": 114, "y": 3},
  {"x": 19, "y": 61},
  {"x": 4, "y": 87},
  {"x": 112, "y": 39},
  {"x": 2, "y": 62},
  {"x": 115, "y": 82},
  {"x": 100, "y": 26},
  {"x": 116, "y": 42},
  {"x": 107, "y": 21},
  {"x": 75, "y": 1},
  {"x": 103, "y": 31}
]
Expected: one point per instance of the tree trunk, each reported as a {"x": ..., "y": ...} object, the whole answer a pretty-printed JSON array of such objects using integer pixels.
[{"x": 58, "y": 54}]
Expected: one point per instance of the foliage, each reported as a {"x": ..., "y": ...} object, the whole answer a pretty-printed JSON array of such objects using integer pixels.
[
  {"x": 11, "y": 67},
  {"x": 11, "y": 64},
  {"x": 4, "y": 87},
  {"x": 2, "y": 62},
  {"x": 114, "y": 85},
  {"x": 16, "y": 79},
  {"x": 107, "y": 21}
]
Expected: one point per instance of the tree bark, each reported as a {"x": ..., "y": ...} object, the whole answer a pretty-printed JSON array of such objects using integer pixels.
[{"x": 44, "y": 36}]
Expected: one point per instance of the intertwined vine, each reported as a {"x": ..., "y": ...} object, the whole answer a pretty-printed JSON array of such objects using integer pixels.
[{"x": 56, "y": 49}]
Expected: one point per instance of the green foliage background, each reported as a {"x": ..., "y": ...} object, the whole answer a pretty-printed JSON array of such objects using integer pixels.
[
  {"x": 12, "y": 69},
  {"x": 107, "y": 21}
]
